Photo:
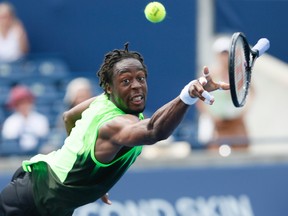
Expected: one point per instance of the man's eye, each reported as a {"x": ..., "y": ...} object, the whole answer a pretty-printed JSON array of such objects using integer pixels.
[
  {"x": 126, "y": 81},
  {"x": 142, "y": 79}
]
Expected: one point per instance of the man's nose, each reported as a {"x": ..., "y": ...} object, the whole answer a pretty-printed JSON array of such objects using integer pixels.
[{"x": 136, "y": 84}]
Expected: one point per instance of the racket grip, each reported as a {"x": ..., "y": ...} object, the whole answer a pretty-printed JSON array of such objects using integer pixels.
[{"x": 262, "y": 46}]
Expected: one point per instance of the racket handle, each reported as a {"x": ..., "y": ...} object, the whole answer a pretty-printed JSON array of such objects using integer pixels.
[{"x": 262, "y": 46}]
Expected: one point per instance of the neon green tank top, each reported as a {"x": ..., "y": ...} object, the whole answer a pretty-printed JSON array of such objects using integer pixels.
[{"x": 71, "y": 176}]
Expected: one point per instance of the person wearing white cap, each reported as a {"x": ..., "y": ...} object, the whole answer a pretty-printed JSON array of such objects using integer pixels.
[
  {"x": 222, "y": 44},
  {"x": 222, "y": 123}
]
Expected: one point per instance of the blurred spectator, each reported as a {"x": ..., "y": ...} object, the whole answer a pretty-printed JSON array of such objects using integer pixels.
[
  {"x": 78, "y": 90},
  {"x": 13, "y": 37},
  {"x": 222, "y": 123},
  {"x": 24, "y": 124}
]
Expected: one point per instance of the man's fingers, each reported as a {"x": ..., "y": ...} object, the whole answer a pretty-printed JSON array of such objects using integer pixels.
[
  {"x": 202, "y": 80},
  {"x": 223, "y": 86},
  {"x": 206, "y": 95},
  {"x": 203, "y": 95},
  {"x": 209, "y": 99},
  {"x": 106, "y": 200},
  {"x": 205, "y": 85},
  {"x": 197, "y": 90},
  {"x": 205, "y": 71}
]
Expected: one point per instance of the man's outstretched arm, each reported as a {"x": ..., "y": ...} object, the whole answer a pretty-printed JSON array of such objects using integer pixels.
[{"x": 129, "y": 131}]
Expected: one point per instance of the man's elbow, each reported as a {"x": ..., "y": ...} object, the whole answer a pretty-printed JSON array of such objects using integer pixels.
[
  {"x": 159, "y": 136},
  {"x": 66, "y": 117}
]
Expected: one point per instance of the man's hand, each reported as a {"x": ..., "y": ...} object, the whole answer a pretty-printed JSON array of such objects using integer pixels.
[
  {"x": 205, "y": 84},
  {"x": 210, "y": 85},
  {"x": 105, "y": 199}
]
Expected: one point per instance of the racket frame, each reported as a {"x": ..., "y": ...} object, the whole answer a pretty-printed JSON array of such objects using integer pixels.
[{"x": 250, "y": 57}]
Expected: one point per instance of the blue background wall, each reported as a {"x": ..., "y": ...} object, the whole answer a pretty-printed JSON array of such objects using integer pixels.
[
  {"x": 83, "y": 31},
  {"x": 256, "y": 18}
]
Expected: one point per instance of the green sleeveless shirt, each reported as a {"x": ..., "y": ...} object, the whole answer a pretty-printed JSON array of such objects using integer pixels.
[{"x": 71, "y": 176}]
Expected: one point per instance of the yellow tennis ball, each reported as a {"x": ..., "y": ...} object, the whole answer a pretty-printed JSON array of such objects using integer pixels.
[{"x": 155, "y": 12}]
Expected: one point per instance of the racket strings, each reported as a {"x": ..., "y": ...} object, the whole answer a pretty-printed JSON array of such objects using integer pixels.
[
  {"x": 241, "y": 61},
  {"x": 240, "y": 69}
]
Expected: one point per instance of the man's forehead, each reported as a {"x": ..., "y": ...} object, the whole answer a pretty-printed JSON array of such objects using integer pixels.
[{"x": 128, "y": 63}]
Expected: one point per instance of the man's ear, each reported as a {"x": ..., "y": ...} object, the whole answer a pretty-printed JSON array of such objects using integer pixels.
[{"x": 108, "y": 88}]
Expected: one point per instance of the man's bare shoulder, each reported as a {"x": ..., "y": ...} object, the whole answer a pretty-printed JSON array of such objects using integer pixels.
[
  {"x": 116, "y": 124},
  {"x": 127, "y": 118}
]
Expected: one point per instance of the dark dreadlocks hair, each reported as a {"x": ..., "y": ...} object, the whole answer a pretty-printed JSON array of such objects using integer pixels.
[{"x": 105, "y": 72}]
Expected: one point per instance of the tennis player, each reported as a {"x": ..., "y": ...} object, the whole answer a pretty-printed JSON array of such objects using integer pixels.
[{"x": 105, "y": 136}]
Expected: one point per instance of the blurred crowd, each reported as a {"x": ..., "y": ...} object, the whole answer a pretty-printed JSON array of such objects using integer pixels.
[
  {"x": 36, "y": 92},
  {"x": 222, "y": 123}
]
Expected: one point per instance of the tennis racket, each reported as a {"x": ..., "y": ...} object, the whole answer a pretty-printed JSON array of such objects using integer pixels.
[{"x": 241, "y": 62}]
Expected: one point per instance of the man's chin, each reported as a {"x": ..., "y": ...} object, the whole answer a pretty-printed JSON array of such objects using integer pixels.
[{"x": 135, "y": 110}]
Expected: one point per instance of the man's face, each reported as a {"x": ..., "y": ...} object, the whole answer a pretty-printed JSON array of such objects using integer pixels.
[{"x": 128, "y": 90}]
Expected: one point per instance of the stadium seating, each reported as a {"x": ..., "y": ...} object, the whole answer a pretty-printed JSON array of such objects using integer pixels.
[{"x": 47, "y": 78}]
